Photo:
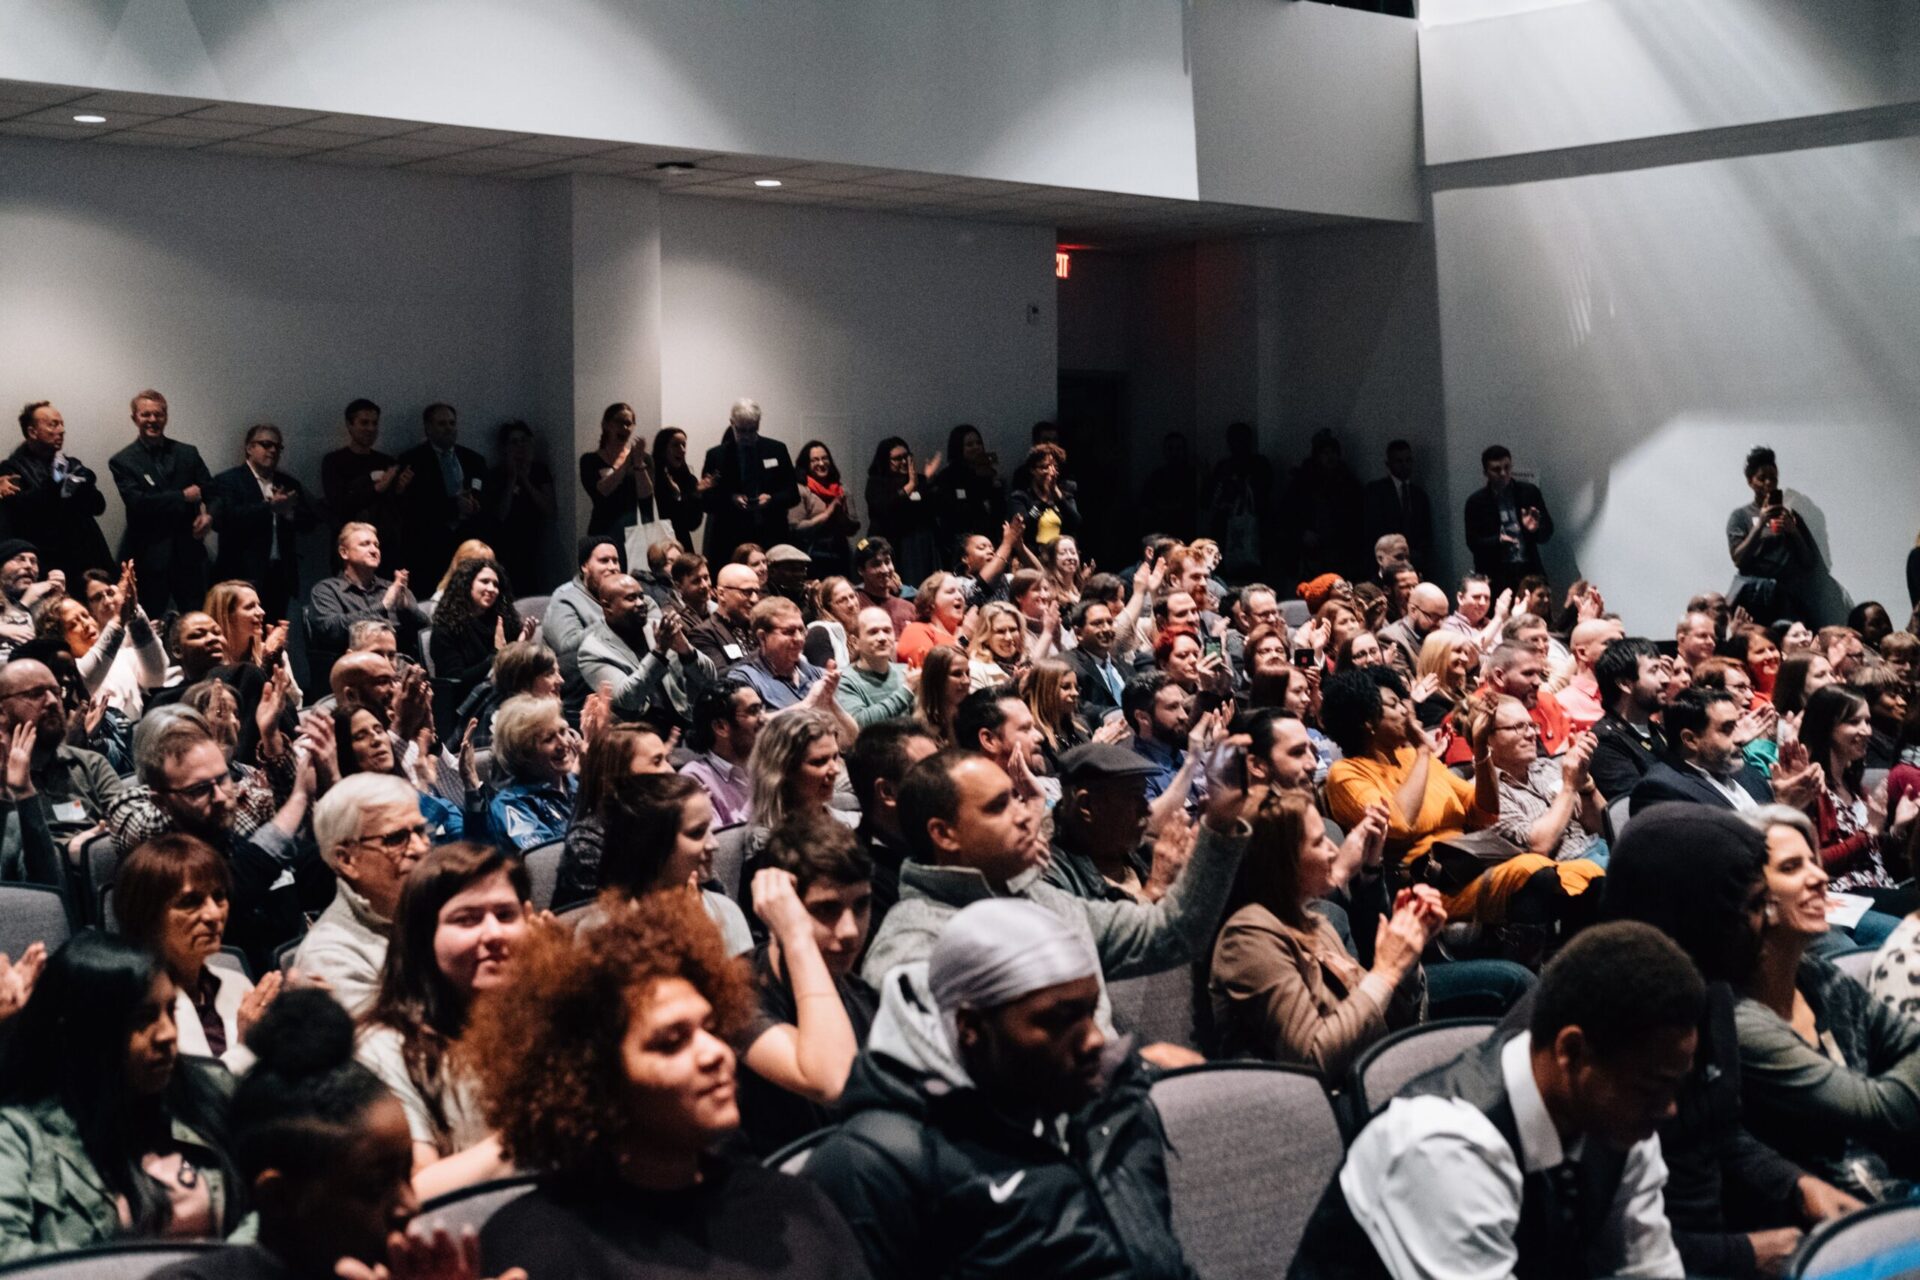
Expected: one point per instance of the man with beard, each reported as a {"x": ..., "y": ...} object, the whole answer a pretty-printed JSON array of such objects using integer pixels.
[
  {"x": 1627, "y": 743},
  {"x": 71, "y": 788},
  {"x": 21, "y": 587},
  {"x": 51, "y": 498},
  {"x": 656, "y": 682},
  {"x": 1705, "y": 767}
]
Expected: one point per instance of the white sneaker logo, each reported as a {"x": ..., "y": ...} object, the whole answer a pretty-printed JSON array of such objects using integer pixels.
[{"x": 1001, "y": 1190}]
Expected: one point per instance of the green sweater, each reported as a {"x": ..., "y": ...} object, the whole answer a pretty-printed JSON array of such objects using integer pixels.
[{"x": 869, "y": 698}]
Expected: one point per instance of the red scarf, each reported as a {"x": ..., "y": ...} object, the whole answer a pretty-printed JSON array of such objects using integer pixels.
[{"x": 828, "y": 493}]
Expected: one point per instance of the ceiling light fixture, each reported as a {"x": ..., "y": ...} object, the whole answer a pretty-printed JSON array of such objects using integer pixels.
[
  {"x": 89, "y": 119},
  {"x": 766, "y": 182},
  {"x": 675, "y": 166}
]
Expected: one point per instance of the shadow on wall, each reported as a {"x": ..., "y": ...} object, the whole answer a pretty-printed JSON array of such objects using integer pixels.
[{"x": 1631, "y": 335}]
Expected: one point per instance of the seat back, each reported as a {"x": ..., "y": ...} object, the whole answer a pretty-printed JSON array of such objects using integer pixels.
[
  {"x": 1295, "y": 613},
  {"x": 1158, "y": 1006},
  {"x": 470, "y": 1207},
  {"x": 543, "y": 871},
  {"x": 1619, "y": 809},
  {"x": 31, "y": 913},
  {"x": 232, "y": 959},
  {"x": 792, "y": 1158},
  {"x": 100, "y": 859},
  {"x": 534, "y": 607},
  {"x": 730, "y": 857},
  {"x": 1882, "y": 1240},
  {"x": 1250, "y": 1149},
  {"x": 426, "y": 650},
  {"x": 1383, "y": 1070},
  {"x": 1856, "y": 963},
  {"x": 105, "y": 1262}
]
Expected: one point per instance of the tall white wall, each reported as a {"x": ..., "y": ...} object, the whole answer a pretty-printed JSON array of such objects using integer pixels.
[
  {"x": 851, "y": 326},
  {"x": 252, "y": 291}
]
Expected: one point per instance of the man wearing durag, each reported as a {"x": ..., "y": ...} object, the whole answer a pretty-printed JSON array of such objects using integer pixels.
[{"x": 992, "y": 1128}]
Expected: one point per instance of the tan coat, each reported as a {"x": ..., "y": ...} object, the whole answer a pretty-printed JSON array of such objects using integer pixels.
[{"x": 1295, "y": 996}]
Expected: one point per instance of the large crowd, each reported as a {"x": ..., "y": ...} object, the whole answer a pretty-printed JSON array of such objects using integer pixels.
[{"x": 895, "y": 833}]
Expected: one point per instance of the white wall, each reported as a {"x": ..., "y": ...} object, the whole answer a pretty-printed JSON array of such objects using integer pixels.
[
  {"x": 249, "y": 291},
  {"x": 1631, "y": 335},
  {"x": 852, "y": 326},
  {"x": 1605, "y": 71}
]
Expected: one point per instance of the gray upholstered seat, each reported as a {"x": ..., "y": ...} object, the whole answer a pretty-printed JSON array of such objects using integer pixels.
[
  {"x": 470, "y": 1206},
  {"x": 543, "y": 870},
  {"x": 31, "y": 913},
  {"x": 104, "y": 1262},
  {"x": 1383, "y": 1069},
  {"x": 1856, "y": 963},
  {"x": 1158, "y": 1006}
]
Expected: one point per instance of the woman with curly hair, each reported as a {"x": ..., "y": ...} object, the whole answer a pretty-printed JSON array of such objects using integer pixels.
[
  {"x": 827, "y": 516},
  {"x": 474, "y": 620},
  {"x": 607, "y": 1069},
  {"x": 945, "y": 679},
  {"x": 836, "y": 607},
  {"x": 1048, "y": 506},
  {"x": 461, "y": 918}
]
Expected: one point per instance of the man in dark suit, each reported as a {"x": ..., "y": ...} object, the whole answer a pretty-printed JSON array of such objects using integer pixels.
[
  {"x": 1627, "y": 743},
  {"x": 163, "y": 485},
  {"x": 753, "y": 486},
  {"x": 442, "y": 507},
  {"x": 1102, "y": 684},
  {"x": 1703, "y": 766},
  {"x": 258, "y": 511},
  {"x": 1395, "y": 504},
  {"x": 53, "y": 497},
  {"x": 1507, "y": 523}
]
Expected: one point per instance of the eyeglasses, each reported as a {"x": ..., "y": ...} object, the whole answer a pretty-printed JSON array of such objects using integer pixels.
[
  {"x": 274, "y": 445},
  {"x": 746, "y": 591},
  {"x": 396, "y": 840},
  {"x": 203, "y": 789},
  {"x": 36, "y": 691}
]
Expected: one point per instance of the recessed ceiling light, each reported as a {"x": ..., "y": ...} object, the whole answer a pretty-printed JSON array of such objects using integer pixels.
[
  {"x": 89, "y": 119},
  {"x": 675, "y": 166},
  {"x": 766, "y": 182}
]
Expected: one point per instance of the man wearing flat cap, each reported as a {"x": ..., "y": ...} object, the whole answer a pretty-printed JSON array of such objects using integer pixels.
[
  {"x": 787, "y": 567},
  {"x": 21, "y": 587},
  {"x": 1098, "y": 825}
]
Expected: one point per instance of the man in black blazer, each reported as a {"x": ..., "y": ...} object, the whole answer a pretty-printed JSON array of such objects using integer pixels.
[
  {"x": 1507, "y": 523},
  {"x": 1102, "y": 683},
  {"x": 52, "y": 497},
  {"x": 163, "y": 485},
  {"x": 753, "y": 486},
  {"x": 1703, "y": 766},
  {"x": 1395, "y": 504},
  {"x": 258, "y": 511},
  {"x": 442, "y": 507},
  {"x": 1627, "y": 743}
]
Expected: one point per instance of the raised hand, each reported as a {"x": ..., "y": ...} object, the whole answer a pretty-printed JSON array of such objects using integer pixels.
[
  {"x": 1423, "y": 687},
  {"x": 1172, "y": 851},
  {"x": 499, "y": 633},
  {"x": 9, "y": 485},
  {"x": 253, "y": 1005},
  {"x": 17, "y": 978},
  {"x": 776, "y": 900},
  {"x": 129, "y": 594},
  {"x": 274, "y": 645},
  {"x": 597, "y": 712},
  {"x": 529, "y": 627},
  {"x": 1399, "y": 940},
  {"x": 20, "y": 759},
  {"x": 469, "y": 758},
  {"x": 1114, "y": 730},
  {"x": 933, "y": 465},
  {"x": 425, "y": 1257}
]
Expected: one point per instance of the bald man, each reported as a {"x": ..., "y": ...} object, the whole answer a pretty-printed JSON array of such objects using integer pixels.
[
  {"x": 726, "y": 637},
  {"x": 1426, "y": 610},
  {"x": 1581, "y": 697}
]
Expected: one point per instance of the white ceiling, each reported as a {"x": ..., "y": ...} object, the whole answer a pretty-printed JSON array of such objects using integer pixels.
[{"x": 1093, "y": 218}]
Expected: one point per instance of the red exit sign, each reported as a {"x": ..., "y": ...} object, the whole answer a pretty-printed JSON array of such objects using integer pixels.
[{"x": 1062, "y": 264}]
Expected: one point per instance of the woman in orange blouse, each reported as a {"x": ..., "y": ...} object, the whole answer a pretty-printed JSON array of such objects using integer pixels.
[{"x": 1389, "y": 761}]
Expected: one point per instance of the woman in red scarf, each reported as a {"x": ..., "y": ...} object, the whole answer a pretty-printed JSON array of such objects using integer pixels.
[{"x": 826, "y": 518}]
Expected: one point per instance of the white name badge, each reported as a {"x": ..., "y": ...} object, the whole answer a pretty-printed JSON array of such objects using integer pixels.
[
  {"x": 70, "y": 811},
  {"x": 377, "y": 476},
  {"x": 769, "y": 463},
  {"x": 733, "y": 652},
  {"x": 961, "y": 494},
  {"x": 476, "y": 484},
  {"x": 913, "y": 497}
]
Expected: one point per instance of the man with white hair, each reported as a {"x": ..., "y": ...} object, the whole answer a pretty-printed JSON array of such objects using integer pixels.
[
  {"x": 753, "y": 485},
  {"x": 991, "y": 1126},
  {"x": 370, "y": 833}
]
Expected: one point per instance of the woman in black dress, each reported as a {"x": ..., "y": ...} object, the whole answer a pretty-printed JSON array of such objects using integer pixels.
[
  {"x": 474, "y": 620},
  {"x": 900, "y": 509},
  {"x": 674, "y": 485},
  {"x": 969, "y": 496},
  {"x": 617, "y": 476},
  {"x": 519, "y": 495}
]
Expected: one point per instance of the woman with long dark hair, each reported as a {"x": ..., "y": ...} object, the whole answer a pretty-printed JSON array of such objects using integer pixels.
[
  {"x": 899, "y": 508},
  {"x": 969, "y": 496},
  {"x": 520, "y": 502},
  {"x": 1801, "y": 676},
  {"x": 474, "y": 620},
  {"x": 1855, "y": 828},
  {"x": 827, "y": 516},
  {"x": 106, "y": 1132},
  {"x": 617, "y": 475},
  {"x": 461, "y": 916},
  {"x": 616, "y": 752},
  {"x": 675, "y": 489},
  {"x": 945, "y": 680},
  {"x": 362, "y": 744},
  {"x": 660, "y": 838}
]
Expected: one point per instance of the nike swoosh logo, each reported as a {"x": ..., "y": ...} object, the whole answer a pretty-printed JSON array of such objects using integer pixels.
[{"x": 999, "y": 1191}]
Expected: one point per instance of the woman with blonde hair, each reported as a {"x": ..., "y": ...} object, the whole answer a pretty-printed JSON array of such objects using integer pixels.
[
  {"x": 999, "y": 651},
  {"x": 1051, "y": 690},
  {"x": 794, "y": 766},
  {"x": 836, "y": 606},
  {"x": 945, "y": 679},
  {"x": 235, "y": 608},
  {"x": 1448, "y": 658}
]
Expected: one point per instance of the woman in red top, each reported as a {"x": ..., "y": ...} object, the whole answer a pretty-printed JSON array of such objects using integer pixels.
[{"x": 941, "y": 604}]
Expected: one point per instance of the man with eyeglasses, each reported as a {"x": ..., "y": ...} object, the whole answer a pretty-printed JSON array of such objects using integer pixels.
[
  {"x": 258, "y": 511},
  {"x": 163, "y": 484},
  {"x": 1426, "y": 610},
  {"x": 727, "y": 637},
  {"x": 72, "y": 788},
  {"x": 370, "y": 834},
  {"x": 196, "y": 791}
]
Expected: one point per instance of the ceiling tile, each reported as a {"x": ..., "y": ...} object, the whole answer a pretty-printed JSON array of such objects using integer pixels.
[
  {"x": 44, "y": 94},
  {"x": 353, "y": 157},
  {"x": 369, "y": 126},
  {"x": 906, "y": 180},
  {"x": 453, "y": 164},
  {"x": 745, "y": 185},
  {"x": 10, "y": 108},
  {"x": 134, "y": 138},
  {"x": 834, "y": 172},
  {"x": 405, "y": 148},
  {"x": 309, "y": 139},
  {"x": 248, "y": 147},
  {"x": 193, "y": 127},
  {"x": 153, "y": 104},
  {"x": 562, "y": 146},
  {"x": 65, "y": 115},
  {"x": 36, "y": 129},
  {"x": 979, "y": 187},
  {"x": 470, "y": 137},
  {"x": 265, "y": 117},
  {"x": 747, "y": 164},
  {"x": 501, "y": 157}
]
